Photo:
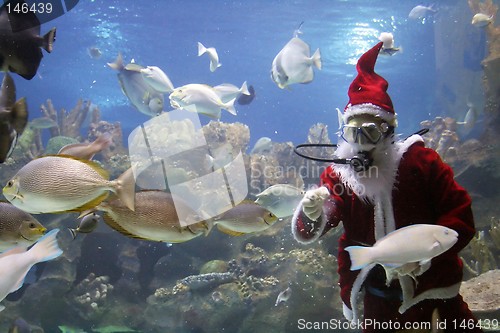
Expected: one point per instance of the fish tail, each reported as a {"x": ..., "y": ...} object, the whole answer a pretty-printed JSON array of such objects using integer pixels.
[
  {"x": 48, "y": 40},
  {"x": 359, "y": 256},
  {"x": 316, "y": 59},
  {"x": 46, "y": 248},
  {"x": 20, "y": 115},
  {"x": 244, "y": 89},
  {"x": 73, "y": 232},
  {"x": 229, "y": 106},
  {"x": 201, "y": 49},
  {"x": 125, "y": 188},
  {"x": 118, "y": 64}
]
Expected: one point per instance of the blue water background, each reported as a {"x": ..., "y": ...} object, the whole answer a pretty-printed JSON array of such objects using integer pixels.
[{"x": 247, "y": 35}]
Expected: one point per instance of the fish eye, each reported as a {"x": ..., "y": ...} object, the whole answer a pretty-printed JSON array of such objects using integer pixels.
[
  {"x": 10, "y": 183},
  {"x": 32, "y": 225}
]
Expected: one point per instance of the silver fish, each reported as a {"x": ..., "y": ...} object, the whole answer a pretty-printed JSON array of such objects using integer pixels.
[
  {"x": 280, "y": 199},
  {"x": 87, "y": 225},
  {"x": 227, "y": 91},
  {"x": 157, "y": 79},
  {"x": 246, "y": 217},
  {"x": 13, "y": 117},
  {"x": 212, "y": 54},
  {"x": 200, "y": 98},
  {"x": 139, "y": 93},
  {"x": 283, "y": 296},
  {"x": 294, "y": 64},
  {"x": 263, "y": 145}
]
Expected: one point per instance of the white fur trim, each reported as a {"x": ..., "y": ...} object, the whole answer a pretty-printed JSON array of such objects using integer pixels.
[
  {"x": 347, "y": 312},
  {"x": 319, "y": 229},
  {"x": 356, "y": 288},
  {"x": 406, "y": 283},
  {"x": 378, "y": 219},
  {"x": 369, "y": 108},
  {"x": 403, "y": 146}
]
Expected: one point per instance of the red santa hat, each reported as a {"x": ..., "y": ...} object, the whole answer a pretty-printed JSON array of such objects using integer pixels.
[{"x": 368, "y": 92}]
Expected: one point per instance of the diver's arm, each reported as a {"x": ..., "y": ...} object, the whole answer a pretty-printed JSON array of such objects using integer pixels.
[{"x": 317, "y": 213}]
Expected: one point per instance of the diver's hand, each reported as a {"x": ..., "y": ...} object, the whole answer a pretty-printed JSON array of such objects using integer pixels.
[{"x": 312, "y": 203}]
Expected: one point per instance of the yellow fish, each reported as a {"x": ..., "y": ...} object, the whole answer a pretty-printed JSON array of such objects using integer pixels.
[
  {"x": 244, "y": 218},
  {"x": 155, "y": 218},
  {"x": 55, "y": 184}
]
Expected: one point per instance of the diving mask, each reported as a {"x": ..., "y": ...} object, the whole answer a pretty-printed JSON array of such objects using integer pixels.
[{"x": 366, "y": 133}]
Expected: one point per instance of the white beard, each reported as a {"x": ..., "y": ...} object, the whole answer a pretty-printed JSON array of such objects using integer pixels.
[{"x": 379, "y": 178}]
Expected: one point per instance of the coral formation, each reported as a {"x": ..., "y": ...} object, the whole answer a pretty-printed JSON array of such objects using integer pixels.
[
  {"x": 482, "y": 294},
  {"x": 90, "y": 295}
]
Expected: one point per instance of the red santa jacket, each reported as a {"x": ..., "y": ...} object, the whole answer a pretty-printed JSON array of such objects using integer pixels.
[{"x": 424, "y": 191}]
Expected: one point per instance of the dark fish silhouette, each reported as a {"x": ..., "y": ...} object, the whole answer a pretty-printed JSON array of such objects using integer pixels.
[
  {"x": 247, "y": 99},
  {"x": 22, "y": 326},
  {"x": 13, "y": 117},
  {"x": 20, "y": 42}
]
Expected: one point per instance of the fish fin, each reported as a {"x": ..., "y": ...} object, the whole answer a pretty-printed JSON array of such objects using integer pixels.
[
  {"x": 46, "y": 248},
  {"x": 201, "y": 49},
  {"x": 73, "y": 232},
  {"x": 125, "y": 188},
  {"x": 20, "y": 115},
  {"x": 118, "y": 64},
  {"x": 316, "y": 59},
  {"x": 2, "y": 307},
  {"x": 48, "y": 40},
  {"x": 190, "y": 108},
  {"x": 359, "y": 256},
  {"x": 94, "y": 165},
  {"x": 435, "y": 246},
  {"x": 341, "y": 118},
  {"x": 133, "y": 67},
  {"x": 244, "y": 89},
  {"x": 114, "y": 225},
  {"x": 228, "y": 231},
  {"x": 88, "y": 205},
  {"x": 229, "y": 106}
]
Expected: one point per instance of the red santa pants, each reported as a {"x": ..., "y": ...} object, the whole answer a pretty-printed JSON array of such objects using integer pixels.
[{"x": 380, "y": 312}]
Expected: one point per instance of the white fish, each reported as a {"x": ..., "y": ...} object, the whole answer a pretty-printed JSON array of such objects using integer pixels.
[
  {"x": 283, "y": 296},
  {"x": 212, "y": 54},
  {"x": 294, "y": 64},
  {"x": 262, "y": 145},
  {"x": 280, "y": 199},
  {"x": 470, "y": 118},
  {"x": 417, "y": 243},
  {"x": 157, "y": 79},
  {"x": 133, "y": 85},
  {"x": 16, "y": 263},
  {"x": 419, "y": 12},
  {"x": 227, "y": 91},
  {"x": 200, "y": 98},
  {"x": 481, "y": 20}
]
